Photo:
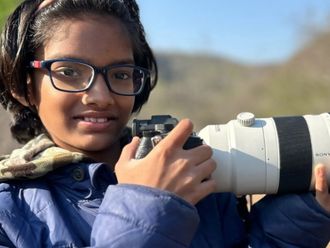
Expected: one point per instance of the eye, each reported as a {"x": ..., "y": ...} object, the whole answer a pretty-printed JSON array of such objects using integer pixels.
[
  {"x": 67, "y": 72},
  {"x": 121, "y": 76},
  {"x": 120, "y": 73},
  {"x": 70, "y": 70}
]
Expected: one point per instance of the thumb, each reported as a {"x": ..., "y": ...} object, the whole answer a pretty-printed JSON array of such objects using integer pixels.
[
  {"x": 179, "y": 135},
  {"x": 321, "y": 185}
]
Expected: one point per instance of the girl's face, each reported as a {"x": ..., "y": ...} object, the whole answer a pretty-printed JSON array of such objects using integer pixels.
[{"x": 89, "y": 122}]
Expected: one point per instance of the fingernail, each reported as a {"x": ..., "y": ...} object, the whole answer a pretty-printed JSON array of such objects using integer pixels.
[{"x": 320, "y": 171}]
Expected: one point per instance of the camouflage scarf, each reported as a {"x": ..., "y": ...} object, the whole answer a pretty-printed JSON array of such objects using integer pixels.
[{"x": 35, "y": 159}]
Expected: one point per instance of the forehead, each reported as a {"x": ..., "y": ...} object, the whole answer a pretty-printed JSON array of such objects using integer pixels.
[{"x": 87, "y": 37}]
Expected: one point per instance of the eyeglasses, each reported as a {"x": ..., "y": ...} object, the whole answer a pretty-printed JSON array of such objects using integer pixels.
[{"x": 70, "y": 75}]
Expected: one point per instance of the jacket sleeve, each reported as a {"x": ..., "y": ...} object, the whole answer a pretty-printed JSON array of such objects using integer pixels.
[
  {"x": 15, "y": 229},
  {"x": 4, "y": 240},
  {"x": 289, "y": 221},
  {"x": 138, "y": 216}
]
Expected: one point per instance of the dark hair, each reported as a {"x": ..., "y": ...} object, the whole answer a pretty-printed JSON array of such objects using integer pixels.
[{"x": 28, "y": 28}]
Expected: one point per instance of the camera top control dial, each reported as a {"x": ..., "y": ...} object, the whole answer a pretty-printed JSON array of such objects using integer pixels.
[{"x": 246, "y": 119}]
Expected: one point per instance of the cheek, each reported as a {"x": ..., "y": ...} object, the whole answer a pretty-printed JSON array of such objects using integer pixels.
[
  {"x": 126, "y": 102},
  {"x": 132, "y": 101},
  {"x": 50, "y": 103},
  {"x": 39, "y": 88},
  {"x": 125, "y": 106}
]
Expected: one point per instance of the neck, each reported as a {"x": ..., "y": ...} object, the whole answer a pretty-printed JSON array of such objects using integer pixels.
[{"x": 109, "y": 156}]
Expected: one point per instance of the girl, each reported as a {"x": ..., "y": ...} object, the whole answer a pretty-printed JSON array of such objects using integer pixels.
[{"x": 72, "y": 74}]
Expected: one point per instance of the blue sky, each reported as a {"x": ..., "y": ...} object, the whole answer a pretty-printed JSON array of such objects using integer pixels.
[{"x": 249, "y": 31}]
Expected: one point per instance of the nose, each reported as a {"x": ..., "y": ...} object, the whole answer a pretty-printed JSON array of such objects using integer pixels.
[{"x": 98, "y": 94}]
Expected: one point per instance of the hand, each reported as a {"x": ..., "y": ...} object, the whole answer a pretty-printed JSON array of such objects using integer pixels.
[
  {"x": 321, "y": 187},
  {"x": 169, "y": 167}
]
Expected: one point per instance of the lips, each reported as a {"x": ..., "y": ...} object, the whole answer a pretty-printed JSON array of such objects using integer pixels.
[
  {"x": 96, "y": 121},
  {"x": 93, "y": 116}
]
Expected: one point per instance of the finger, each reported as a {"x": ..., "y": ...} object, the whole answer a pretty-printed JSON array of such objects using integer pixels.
[
  {"x": 179, "y": 135},
  {"x": 200, "y": 153},
  {"x": 129, "y": 150},
  {"x": 204, "y": 170},
  {"x": 321, "y": 185},
  {"x": 205, "y": 188}
]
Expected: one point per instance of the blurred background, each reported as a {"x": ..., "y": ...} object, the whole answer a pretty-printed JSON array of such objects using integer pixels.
[{"x": 219, "y": 58}]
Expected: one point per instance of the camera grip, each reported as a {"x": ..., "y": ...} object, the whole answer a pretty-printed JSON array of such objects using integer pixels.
[
  {"x": 144, "y": 148},
  {"x": 148, "y": 141},
  {"x": 147, "y": 144}
]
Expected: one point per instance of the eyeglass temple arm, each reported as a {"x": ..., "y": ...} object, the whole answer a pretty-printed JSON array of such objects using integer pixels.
[{"x": 36, "y": 64}]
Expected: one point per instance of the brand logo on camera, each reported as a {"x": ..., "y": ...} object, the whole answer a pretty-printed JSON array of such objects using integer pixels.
[{"x": 322, "y": 154}]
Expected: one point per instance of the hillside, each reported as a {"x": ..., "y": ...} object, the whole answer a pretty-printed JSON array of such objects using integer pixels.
[
  {"x": 214, "y": 90},
  {"x": 301, "y": 85},
  {"x": 203, "y": 88}
]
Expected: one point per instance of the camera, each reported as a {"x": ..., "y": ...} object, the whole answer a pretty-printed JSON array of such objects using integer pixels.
[
  {"x": 153, "y": 130},
  {"x": 273, "y": 155}
]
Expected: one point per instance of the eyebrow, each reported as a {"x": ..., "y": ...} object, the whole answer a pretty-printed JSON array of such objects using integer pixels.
[{"x": 113, "y": 62}]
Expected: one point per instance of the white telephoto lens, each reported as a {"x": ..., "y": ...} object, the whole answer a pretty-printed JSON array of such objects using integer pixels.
[{"x": 268, "y": 155}]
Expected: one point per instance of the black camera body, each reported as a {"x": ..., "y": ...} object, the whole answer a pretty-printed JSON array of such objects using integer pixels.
[{"x": 152, "y": 131}]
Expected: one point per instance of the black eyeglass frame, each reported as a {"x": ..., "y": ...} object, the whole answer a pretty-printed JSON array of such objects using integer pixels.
[{"x": 46, "y": 64}]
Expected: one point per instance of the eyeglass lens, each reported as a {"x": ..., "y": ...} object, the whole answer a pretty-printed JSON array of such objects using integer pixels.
[{"x": 76, "y": 76}]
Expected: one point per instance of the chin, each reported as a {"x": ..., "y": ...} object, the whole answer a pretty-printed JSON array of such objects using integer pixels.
[{"x": 98, "y": 144}]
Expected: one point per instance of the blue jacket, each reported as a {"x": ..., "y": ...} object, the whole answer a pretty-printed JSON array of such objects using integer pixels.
[{"x": 81, "y": 205}]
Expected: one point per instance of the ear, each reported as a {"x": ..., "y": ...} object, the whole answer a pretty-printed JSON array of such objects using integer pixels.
[{"x": 21, "y": 99}]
